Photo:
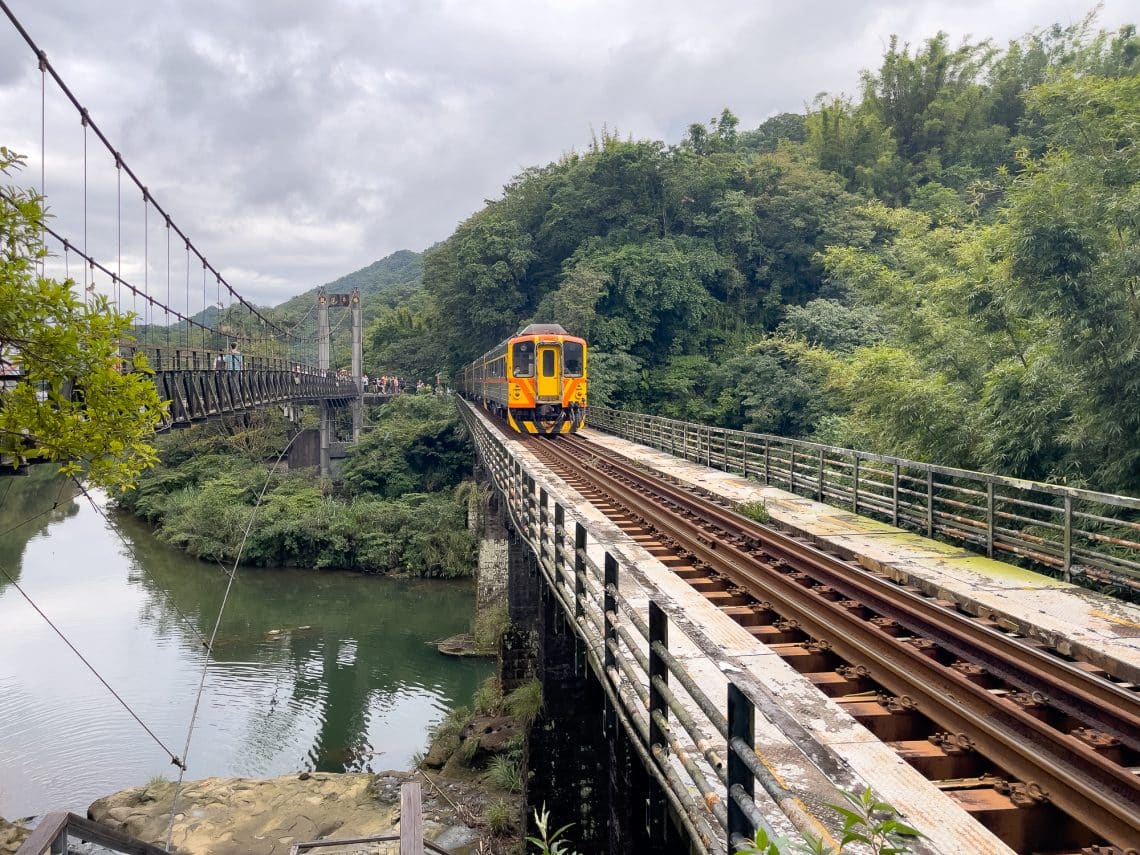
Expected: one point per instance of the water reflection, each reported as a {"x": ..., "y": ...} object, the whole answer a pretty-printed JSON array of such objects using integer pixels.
[{"x": 311, "y": 671}]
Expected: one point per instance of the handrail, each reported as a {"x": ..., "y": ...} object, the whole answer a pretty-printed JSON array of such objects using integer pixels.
[
  {"x": 54, "y": 829},
  {"x": 710, "y": 750},
  {"x": 1068, "y": 531}
]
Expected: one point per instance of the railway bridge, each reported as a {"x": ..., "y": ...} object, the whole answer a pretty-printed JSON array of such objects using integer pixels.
[{"x": 707, "y": 674}]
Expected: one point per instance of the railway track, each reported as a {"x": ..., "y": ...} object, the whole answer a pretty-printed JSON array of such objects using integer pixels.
[{"x": 1043, "y": 751}]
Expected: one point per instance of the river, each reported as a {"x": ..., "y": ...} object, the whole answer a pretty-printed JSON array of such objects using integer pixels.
[{"x": 311, "y": 670}]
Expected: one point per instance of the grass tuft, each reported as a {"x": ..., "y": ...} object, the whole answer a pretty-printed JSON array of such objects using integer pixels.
[
  {"x": 756, "y": 511},
  {"x": 525, "y": 702},
  {"x": 498, "y": 816}
]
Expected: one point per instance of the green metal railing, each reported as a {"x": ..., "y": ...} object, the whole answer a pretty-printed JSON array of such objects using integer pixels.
[{"x": 1066, "y": 531}]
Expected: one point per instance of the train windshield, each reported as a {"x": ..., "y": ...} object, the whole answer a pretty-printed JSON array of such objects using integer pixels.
[
  {"x": 572, "y": 358},
  {"x": 523, "y": 356}
]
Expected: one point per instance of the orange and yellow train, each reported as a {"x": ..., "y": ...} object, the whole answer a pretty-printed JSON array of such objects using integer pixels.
[{"x": 536, "y": 380}]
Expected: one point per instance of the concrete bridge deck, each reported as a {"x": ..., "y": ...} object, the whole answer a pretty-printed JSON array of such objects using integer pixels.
[
  {"x": 1070, "y": 619},
  {"x": 812, "y": 745}
]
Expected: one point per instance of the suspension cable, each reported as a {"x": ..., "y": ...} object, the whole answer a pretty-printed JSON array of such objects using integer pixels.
[
  {"x": 131, "y": 549},
  {"x": 12, "y": 580},
  {"x": 214, "y": 634}
]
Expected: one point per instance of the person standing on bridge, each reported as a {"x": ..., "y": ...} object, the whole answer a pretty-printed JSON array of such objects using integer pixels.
[{"x": 234, "y": 358}]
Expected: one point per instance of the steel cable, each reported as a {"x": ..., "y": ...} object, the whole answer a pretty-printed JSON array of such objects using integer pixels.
[{"x": 214, "y": 634}]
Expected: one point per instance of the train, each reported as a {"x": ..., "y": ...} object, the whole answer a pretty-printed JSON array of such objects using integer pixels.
[{"x": 536, "y": 380}]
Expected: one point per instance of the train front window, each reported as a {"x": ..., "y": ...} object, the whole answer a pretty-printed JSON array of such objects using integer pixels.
[
  {"x": 572, "y": 358},
  {"x": 523, "y": 355},
  {"x": 548, "y": 369}
]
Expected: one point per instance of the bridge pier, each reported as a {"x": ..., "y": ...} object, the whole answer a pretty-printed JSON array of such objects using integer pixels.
[{"x": 585, "y": 769}]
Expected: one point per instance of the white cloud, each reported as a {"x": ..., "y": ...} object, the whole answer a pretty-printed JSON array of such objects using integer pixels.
[{"x": 297, "y": 141}]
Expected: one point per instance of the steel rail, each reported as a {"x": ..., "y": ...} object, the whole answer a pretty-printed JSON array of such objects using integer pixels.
[
  {"x": 1099, "y": 702},
  {"x": 1080, "y": 782}
]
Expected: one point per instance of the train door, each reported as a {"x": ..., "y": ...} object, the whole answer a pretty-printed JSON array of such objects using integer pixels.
[{"x": 549, "y": 386}]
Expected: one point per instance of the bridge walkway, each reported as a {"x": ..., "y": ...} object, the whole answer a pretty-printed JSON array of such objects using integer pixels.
[{"x": 1070, "y": 619}]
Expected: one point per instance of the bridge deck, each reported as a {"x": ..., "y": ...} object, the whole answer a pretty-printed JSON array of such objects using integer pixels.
[
  {"x": 812, "y": 744},
  {"x": 1066, "y": 617}
]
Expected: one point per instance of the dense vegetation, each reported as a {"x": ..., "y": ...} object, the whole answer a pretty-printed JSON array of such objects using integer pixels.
[
  {"x": 402, "y": 507},
  {"x": 79, "y": 408},
  {"x": 945, "y": 267}
]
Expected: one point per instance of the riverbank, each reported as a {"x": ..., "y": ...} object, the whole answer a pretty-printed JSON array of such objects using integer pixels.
[
  {"x": 399, "y": 506},
  {"x": 244, "y": 816}
]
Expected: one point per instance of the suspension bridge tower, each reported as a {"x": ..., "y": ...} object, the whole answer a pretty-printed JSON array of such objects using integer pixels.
[{"x": 350, "y": 301}]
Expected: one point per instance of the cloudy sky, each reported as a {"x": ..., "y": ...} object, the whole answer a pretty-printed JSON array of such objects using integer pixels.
[{"x": 298, "y": 140}]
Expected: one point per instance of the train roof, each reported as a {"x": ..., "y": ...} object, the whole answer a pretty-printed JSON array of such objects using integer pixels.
[{"x": 543, "y": 329}]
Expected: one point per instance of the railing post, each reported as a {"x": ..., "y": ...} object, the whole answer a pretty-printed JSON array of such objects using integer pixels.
[
  {"x": 559, "y": 524},
  {"x": 792, "y": 470},
  {"x": 990, "y": 519},
  {"x": 1068, "y": 568},
  {"x": 658, "y": 635},
  {"x": 59, "y": 845},
  {"x": 609, "y": 610},
  {"x": 579, "y": 570},
  {"x": 895, "y": 496},
  {"x": 725, "y": 449},
  {"x": 820, "y": 490},
  {"x": 855, "y": 486},
  {"x": 543, "y": 519},
  {"x": 741, "y": 725},
  {"x": 685, "y": 440},
  {"x": 767, "y": 461},
  {"x": 744, "y": 453},
  {"x": 929, "y": 502}
]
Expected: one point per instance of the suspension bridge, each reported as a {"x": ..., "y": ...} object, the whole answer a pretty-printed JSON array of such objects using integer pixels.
[{"x": 212, "y": 352}]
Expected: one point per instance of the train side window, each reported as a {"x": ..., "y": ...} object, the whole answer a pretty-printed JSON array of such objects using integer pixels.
[
  {"x": 523, "y": 355},
  {"x": 548, "y": 369},
  {"x": 572, "y": 358}
]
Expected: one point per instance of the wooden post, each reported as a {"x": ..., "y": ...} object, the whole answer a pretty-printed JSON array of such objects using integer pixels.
[{"x": 411, "y": 819}]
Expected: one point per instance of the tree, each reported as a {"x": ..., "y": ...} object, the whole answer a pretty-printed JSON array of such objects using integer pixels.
[{"x": 80, "y": 403}]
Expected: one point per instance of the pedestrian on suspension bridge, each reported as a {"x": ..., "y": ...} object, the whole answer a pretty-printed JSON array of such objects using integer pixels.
[{"x": 234, "y": 358}]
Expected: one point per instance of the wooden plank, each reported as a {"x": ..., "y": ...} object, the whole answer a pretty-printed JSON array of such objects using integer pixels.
[{"x": 411, "y": 819}]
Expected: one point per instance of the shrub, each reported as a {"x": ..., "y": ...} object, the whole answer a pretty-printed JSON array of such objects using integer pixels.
[
  {"x": 505, "y": 773},
  {"x": 499, "y": 816}
]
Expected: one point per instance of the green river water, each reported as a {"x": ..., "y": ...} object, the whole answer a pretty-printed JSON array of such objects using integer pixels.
[{"x": 311, "y": 671}]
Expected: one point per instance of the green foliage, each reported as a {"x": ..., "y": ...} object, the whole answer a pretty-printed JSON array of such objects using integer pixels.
[
  {"x": 418, "y": 444},
  {"x": 943, "y": 268},
  {"x": 407, "y": 515},
  {"x": 874, "y": 824},
  {"x": 82, "y": 404},
  {"x": 867, "y": 823},
  {"x": 489, "y": 698},
  {"x": 488, "y": 627},
  {"x": 525, "y": 702},
  {"x": 550, "y": 842},
  {"x": 499, "y": 816},
  {"x": 452, "y": 724},
  {"x": 505, "y": 773},
  {"x": 757, "y": 511}
]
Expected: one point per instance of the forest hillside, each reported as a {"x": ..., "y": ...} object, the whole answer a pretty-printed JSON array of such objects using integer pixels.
[{"x": 945, "y": 267}]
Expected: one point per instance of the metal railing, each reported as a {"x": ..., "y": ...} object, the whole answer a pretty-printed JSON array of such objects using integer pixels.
[
  {"x": 198, "y": 395},
  {"x": 1064, "y": 530},
  {"x": 56, "y": 829},
  {"x": 704, "y": 744}
]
